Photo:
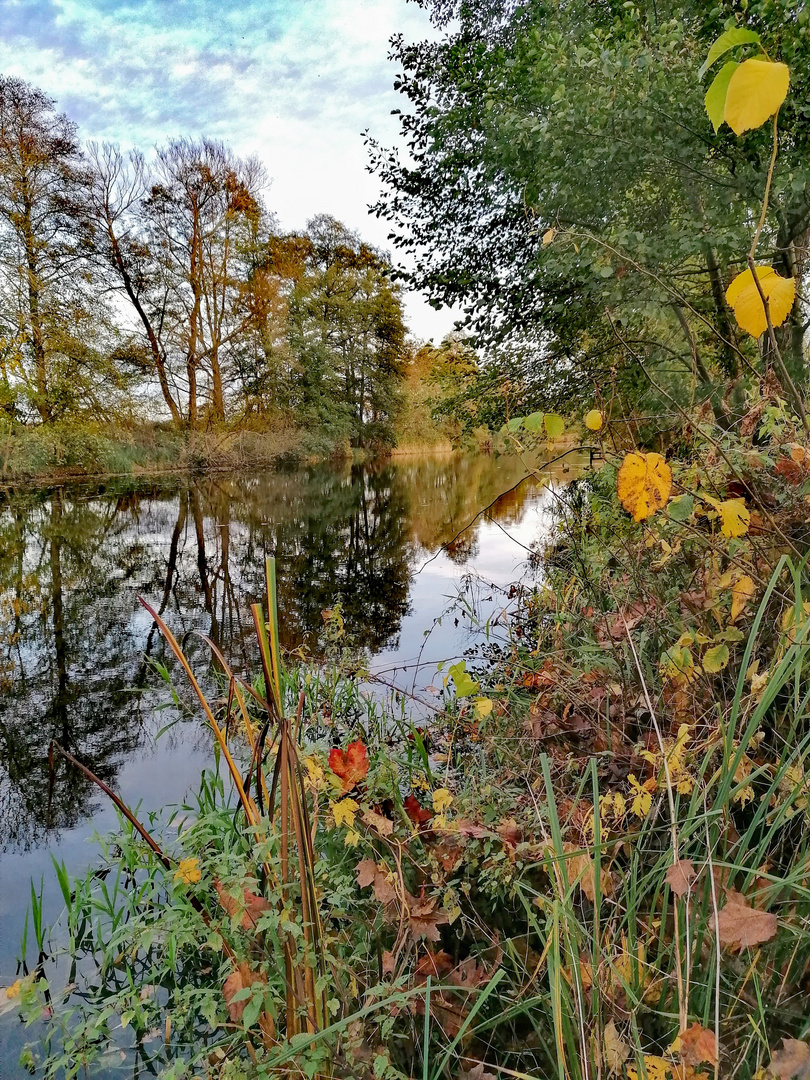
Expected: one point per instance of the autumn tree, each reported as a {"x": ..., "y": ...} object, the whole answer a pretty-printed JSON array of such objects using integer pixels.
[{"x": 53, "y": 353}]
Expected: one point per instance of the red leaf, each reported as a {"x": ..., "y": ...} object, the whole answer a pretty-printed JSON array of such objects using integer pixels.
[
  {"x": 415, "y": 812},
  {"x": 352, "y": 766}
]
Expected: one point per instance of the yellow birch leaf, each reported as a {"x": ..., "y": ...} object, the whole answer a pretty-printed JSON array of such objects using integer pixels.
[
  {"x": 755, "y": 91},
  {"x": 743, "y": 296},
  {"x": 593, "y": 420},
  {"x": 643, "y": 484},
  {"x": 741, "y": 592},
  {"x": 548, "y": 236},
  {"x": 715, "y": 100}
]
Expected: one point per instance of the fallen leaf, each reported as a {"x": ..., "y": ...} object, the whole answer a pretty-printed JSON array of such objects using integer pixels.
[
  {"x": 370, "y": 873},
  {"x": 643, "y": 484},
  {"x": 616, "y": 1051},
  {"x": 251, "y": 906},
  {"x": 476, "y": 1073},
  {"x": 742, "y": 926},
  {"x": 792, "y": 1061},
  {"x": 442, "y": 800},
  {"x": 351, "y": 766},
  {"x": 423, "y": 918},
  {"x": 583, "y": 867},
  {"x": 680, "y": 876},
  {"x": 697, "y": 1045},
  {"x": 434, "y": 963},
  {"x": 388, "y": 964}
]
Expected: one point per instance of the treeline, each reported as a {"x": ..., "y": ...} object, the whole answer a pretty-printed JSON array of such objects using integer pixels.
[{"x": 163, "y": 286}]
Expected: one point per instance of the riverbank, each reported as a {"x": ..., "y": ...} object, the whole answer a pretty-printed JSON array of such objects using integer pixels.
[{"x": 64, "y": 452}]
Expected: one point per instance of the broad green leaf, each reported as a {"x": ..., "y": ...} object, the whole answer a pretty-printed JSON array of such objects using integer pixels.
[
  {"x": 680, "y": 509},
  {"x": 755, "y": 91},
  {"x": 743, "y": 296},
  {"x": 534, "y": 421},
  {"x": 514, "y": 423},
  {"x": 715, "y": 659},
  {"x": 728, "y": 40},
  {"x": 461, "y": 680},
  {"x": 716, "y": 94},
  {"x": 555, "y": 425}
]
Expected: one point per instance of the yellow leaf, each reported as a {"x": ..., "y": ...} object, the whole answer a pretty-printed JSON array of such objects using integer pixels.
[
  {"x": 13, "y": 991},
  {"x": 734, "y": 517},
  {"x": 344, "y": 812},
  {"x": 483, "y": 707},
  {"x": 442, "y": 800},
  {"x": 352, "y": 838},
  {"x": 642, "y": 798},
  {"x": 741, "y": 592},
  {"x": 657, "y": 1068},
  {"x": 188, "y": 871},
  {"x": 643, "y": 484},
  {"x": 593, "y": 420},
  {"x": 743, "y": 296},
  {"x": 755, "y": 91},
  {"x": 548, "y": 236}
]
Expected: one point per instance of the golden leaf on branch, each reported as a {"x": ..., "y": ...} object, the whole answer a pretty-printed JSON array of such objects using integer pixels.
[
  {"x": 749, "y": 311},
  {"x": 755, "y": 91},
  {"x": 643, "y": 484},
  {"x": 593, "y": 420}
]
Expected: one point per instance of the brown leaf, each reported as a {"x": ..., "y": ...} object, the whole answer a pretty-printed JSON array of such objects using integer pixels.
[
  {"x": 616, "y": 1051},
  {"x": 388, "y": 964},
  {"x": 741, "y": 926},
  {"x": 793, "y": 1060},
  {"x": 369, "y": 873},
  {"x": 434, "y": 963},
  {"x": 251, "y": 906},
  {"x": 236, "y": 981},
  {"x": 423, "y": 919},
  {"x": 680, "y": 876},
  {"x": 383, "y": 825},
  {"x": 469, "y": 828},
  {"x": 583, "y": 867},
  {"x": 476, "y": 1073},
  {"x": 697, "y": 1045}
]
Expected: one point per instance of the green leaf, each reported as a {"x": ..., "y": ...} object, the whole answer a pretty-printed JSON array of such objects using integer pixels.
[
  {"x": 555, "y": 425},
  {"x": 680, "y": 509},
  {"x": 728, "y": 40},
  {"x": 716, "y": 94},
  {"x": 461, "y": 680},
  {"x": 534, "y": 421},
  {"x": 715, "y": 659},
  {"x": 514, "y": 423}
]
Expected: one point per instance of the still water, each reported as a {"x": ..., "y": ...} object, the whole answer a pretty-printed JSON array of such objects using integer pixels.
[{"x": 396, "y": 542}]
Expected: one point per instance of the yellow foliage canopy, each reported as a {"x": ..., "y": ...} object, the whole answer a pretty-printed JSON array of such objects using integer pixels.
[
  {"x": 756, "y": 89},
  {"x": 643, "y": 484},
  {"x": 743, "y": 296}
]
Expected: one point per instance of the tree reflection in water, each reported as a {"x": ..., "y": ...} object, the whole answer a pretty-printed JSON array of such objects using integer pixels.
[{"x": 73, "y": 560}]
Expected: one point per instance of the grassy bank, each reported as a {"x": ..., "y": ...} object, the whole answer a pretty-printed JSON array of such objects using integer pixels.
[{"x": 590, "y": 860}]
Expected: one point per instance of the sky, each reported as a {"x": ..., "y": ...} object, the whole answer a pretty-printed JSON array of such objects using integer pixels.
[{"x": 294, "y": 82}]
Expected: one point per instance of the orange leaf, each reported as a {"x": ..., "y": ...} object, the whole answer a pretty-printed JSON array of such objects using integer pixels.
[
  {"x": 236, "y": 981},
  {"x": 252, "y": 906},
  {"x": 415, "y": 812},
  {"x": 351, "y": 766},
  {"x": 792, "y": 1060},
  {"x": 697, "y": 1044}
]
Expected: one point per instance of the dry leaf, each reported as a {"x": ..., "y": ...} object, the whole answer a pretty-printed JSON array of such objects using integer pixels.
[
  {"x": 383, "y": 825},
  {"x": 680, "y": 876},
  {"x": 616, "y": 1051},
  {"x": 643, "y": 484},
  {"x": 741, "y": 926},
  {"x": 697, "y": 1045},
  {"x": 793, "y": 1060},
  {"x": 251, "y": 906},
  {"x": 369, "y": 873},
  {"x": 351, "y": 766},
  {"x": 582, "y": 867},
  {"x": 423, "y": 919},
  {"x": 236, "y": 981}
]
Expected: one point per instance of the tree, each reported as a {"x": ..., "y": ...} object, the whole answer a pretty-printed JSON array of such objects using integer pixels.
[
  {"x": 588, "y": 118},
  {"x": 347, "y": 334},
  {"x": 177, "y": 238},
  {"x": 53, "y": 320}
]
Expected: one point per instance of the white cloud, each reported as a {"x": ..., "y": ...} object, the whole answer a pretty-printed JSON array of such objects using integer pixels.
[{"x": 293, "y": 81}]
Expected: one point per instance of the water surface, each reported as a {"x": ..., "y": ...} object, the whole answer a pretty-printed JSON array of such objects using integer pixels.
[{"x": 395, "y": 542}]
